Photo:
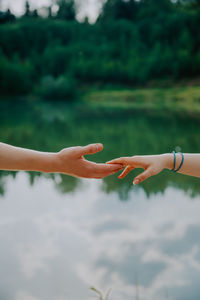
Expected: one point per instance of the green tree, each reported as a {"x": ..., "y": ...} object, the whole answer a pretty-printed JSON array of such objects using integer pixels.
[
  {"x": 15, "y": 77},
  {"x": 27, "y": 9},
  {"x": 49, "y": 12},
  {"x": 61, "y": 88},
  {"x": 6, "y": 17},
  {"x": 35, "y": 13},
  {"x": 67, "y": 10},
  {"x": 119, "y": 9}
]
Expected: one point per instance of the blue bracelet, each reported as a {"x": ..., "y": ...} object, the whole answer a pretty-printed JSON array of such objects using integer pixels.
[
  {"x": 173, "y": 170},
  {"x": 180, "y": 163}
]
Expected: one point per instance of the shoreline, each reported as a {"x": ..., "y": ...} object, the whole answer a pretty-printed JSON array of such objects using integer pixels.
[{"x": 175, "y": 100}]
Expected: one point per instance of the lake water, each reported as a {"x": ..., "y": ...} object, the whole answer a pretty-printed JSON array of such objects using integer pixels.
[{"x": 60, "y": 235}]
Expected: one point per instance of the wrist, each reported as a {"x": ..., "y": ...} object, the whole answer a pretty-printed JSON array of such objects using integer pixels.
[
  {"x": 55, "y": 163},
  {"x": 48, "y": 163},
  {"x": 168, "y": 160},
  {"x": 59, "y": 162}
]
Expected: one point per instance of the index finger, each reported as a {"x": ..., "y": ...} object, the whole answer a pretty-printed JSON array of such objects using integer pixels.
[
  {"x": 120, "y": 160},
  {"x": 103, "y": 170},
  {"x": 109, "y": 167}
]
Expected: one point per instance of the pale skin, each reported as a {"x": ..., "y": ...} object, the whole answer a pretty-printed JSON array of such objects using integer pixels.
[
  {"x": 154, "y": 164},
  {"x": 70, "y": 161}
]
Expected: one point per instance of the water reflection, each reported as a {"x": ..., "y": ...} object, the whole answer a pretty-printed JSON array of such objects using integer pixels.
[
  {"x": 67, "y": 184},
  {"x": 49, "y": 127},
  {"x": 60, "y": 235},
  {"x": 55, "y": 245}
]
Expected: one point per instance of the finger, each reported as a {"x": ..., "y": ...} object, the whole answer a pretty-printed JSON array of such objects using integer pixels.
[
  {"x": 103, "y": 170},
  {"x": 125, "y": 172},
  {"x": 143, "y": 176},
  {"x": 89, "y": 149},
  {"x": 121, "y": 160}
]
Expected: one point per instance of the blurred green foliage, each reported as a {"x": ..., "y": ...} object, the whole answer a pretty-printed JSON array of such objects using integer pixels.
[
  {"x": 131, "y": 43},
  {"x": 15, "y": 77},
  {"x": 59, "y": 88},
  {"x": 178, "y": 99}
]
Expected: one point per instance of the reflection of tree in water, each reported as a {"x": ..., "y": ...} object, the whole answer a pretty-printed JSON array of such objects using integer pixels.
[
  {"x": 63, "y": 183},
  {"x": 153, "y": 185},
  {"x": 67, "y": 184},
  {"x": 49, "y": 127},
  {"x": 3, "y": 179}
]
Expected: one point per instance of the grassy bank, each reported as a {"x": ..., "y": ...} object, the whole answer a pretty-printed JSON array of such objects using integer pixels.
[
  {"x": 177, "y": 99},
  {"x": 180, "y": 100}
]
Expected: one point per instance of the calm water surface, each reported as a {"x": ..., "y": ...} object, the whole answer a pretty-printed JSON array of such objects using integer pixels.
[{"x": 60, "y": 235}]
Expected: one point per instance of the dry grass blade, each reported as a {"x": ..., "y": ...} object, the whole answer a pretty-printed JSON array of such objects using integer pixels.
[
  {"x": 98, "y": 292},
  {"x": 108, "y": 293}
]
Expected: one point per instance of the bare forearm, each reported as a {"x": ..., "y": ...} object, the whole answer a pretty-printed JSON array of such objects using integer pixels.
[
  {"x": 69, "y": 161},
  {"x": 15, "y": 158},
  {"x": 191, "y": 165}
]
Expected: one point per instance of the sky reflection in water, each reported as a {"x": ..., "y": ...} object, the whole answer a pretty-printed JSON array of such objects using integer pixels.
[{"x": 55, "y": 246}]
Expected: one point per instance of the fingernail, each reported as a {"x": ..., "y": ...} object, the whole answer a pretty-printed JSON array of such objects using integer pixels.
[
  {"x": 136, "y": 181},
  {"x": 98, "y": 147}
]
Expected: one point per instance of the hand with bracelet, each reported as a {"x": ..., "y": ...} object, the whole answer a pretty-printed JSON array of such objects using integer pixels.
[
  {"x": 69, "y": 161},
  {"x": 188, "y": 164}
]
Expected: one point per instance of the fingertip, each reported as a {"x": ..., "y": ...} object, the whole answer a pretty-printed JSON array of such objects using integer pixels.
[
  {"x": 97, "y": 147},
  {"x": 136, "y": 181},
  {"x": 100, "y": 147},
  {"x": 121, "y": 176}
]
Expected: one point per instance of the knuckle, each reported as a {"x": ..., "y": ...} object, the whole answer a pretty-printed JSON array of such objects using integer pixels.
[
  {"x": 77, "y": 150},
  {"x": 92, "y": 148},
  {"x": 89, "y": 150},
  {"x": 142, "y": 177}
]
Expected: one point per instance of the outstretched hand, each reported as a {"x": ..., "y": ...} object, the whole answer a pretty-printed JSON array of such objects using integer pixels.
[
  {"x": 71, "y": 161},
  {"x": 152, "y": 165}
]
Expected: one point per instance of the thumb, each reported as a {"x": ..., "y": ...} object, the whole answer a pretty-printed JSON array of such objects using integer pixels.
[
  {"x": 143, "y": 176},
  {"x": 90, "y": 149}
]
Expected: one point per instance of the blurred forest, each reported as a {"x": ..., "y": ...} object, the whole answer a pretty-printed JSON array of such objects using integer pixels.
[{"x": 131, "y": 43}]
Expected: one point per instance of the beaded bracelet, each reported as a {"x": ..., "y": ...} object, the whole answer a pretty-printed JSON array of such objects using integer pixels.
[{"x": 182, "y": 160}]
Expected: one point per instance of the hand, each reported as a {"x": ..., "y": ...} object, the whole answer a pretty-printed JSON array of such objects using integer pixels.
[
  {"x": 71, "y": 161},
  {"x": 152, "y": 165}
]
